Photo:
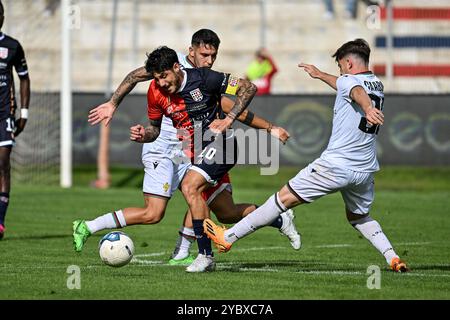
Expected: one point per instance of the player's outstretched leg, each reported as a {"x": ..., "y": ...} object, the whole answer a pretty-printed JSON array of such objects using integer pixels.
[
  {"x": 82, "y": 229},
  {"x": 372, "y": 231},
  {"x": 80, "y": 234},
  {"x": 289, "y": 229},
  {"x": 217, "y": 235},
  {"x": 398, "y": 265}
]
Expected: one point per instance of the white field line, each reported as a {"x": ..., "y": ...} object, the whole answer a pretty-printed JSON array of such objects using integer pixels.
[
  {"x": 156, "y": 254},
  {"x": 334, "y": 245}
]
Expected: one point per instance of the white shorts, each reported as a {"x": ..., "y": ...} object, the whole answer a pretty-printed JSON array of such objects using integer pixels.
[
  {"x": 162, "y": 176},
  {"x": 320, "y": 178}
]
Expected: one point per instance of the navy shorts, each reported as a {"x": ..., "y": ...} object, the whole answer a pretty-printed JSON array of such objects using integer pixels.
[
  {"x": 6, "y": 132},
  {"x": 216, "y": 159}
]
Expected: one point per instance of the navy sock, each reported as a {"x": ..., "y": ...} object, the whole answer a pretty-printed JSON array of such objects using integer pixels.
[
  {"x": 4, "y": 201},
  {"x": 203, "y": 242},
  {"x": 277, "y": 223}
]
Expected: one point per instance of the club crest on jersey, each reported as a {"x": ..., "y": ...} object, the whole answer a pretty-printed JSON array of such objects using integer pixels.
[
  {"x": 196, "y": 95},
  {"x": 3, "y": 53}
]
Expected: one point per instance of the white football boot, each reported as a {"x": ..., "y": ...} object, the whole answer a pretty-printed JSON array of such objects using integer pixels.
[
  {"x": 289, "y": 230},
  {"x": 202, "y": 263}
]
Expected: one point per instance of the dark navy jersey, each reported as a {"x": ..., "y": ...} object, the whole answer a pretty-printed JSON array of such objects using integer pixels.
[
  {"x": 11, "y": 55},
  {"x": 195, "y": 105}
]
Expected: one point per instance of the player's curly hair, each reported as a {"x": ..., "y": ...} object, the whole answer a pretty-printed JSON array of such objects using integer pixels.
[
  {"x": 359, "y": 47},
  {"x": 161, "y": 59}
]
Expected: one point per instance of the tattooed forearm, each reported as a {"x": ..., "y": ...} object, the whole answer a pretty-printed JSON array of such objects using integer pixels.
[
  {"x": 151, "y": 133},
  {"x": 244, "y": 96},
  {"x": 128, "y": 84}
]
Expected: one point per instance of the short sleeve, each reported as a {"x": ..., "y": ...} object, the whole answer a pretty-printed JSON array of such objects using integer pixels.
[
  {"x": 154, "y": 110},
  {"x": 20, "y": 63},
  {"x": 345, "y": 84},
  {"x": 219, "y": 82}
]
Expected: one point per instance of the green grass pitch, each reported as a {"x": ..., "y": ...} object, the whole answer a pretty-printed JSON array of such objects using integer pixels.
[{"x": 412, "y": 205}]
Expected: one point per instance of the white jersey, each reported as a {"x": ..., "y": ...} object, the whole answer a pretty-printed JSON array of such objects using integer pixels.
[
  {"x": 167, "y": 144},
  {"x": 352, "y": 143}
]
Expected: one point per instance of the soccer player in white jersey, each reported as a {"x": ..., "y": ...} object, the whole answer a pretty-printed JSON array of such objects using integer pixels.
[
  {"x": 348, "y": 163},
  {"x": 163, "y": 173}
]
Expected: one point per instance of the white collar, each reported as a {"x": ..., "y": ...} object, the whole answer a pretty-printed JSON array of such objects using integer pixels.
[
  {"x": 183, "y": 84},
  {"x": 2, "y": 36}
]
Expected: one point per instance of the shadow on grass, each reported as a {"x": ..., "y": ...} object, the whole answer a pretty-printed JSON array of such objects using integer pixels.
[
  {"x": 438, "y": 267},
  {"x": 37, "y": 237},
  {"x": 301, "y": 266}
]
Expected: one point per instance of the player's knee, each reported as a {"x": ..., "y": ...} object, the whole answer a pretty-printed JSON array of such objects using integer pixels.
[
  {"x": 152, "y": 215},
  {"x": 189, "y": 190}
]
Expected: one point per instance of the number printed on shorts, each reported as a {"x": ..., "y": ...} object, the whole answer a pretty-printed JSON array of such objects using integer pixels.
[
  {"x": 10, "y": 125},
  {"x": 363, "y": 125},
  {"x": 207, "y": 154}
]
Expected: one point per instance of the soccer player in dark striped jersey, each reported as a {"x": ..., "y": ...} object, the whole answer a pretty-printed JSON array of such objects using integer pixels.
[
  {"x": 11, "y": 55},
  {"x": 190, "y": 97}
]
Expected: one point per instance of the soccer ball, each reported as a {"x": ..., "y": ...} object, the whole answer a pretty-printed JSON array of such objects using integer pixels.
[{"x": 116, "y": 249}]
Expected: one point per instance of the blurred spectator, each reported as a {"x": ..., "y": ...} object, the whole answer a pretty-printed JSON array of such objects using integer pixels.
[
  {"x": 351, "y": 8},
  {"x": 261, "y": 70},
  {"x": 51, "y": 6}
]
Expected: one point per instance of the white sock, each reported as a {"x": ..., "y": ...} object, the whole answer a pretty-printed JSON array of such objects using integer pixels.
[
  {"x": 371, "y": 230},
  {"x": 185, "y": 239},
  {"x": 107, "y": 221},
  {"x": 262, "y": 216}
]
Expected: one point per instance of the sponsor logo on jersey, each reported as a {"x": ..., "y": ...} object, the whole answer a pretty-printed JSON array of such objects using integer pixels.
[
  {"x": 196, "y": 95},
  {"x": 3, "y": 53},
  {"x": 155, "y": 164},
  {"x": 166, "y": 187}
]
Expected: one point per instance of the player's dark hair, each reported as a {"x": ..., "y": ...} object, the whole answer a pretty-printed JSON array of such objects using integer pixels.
[
  {"x": 160, "y": 60},
  {"x": 359, "y": 47},
  {"x": 2, "y": 9},
  {"x": 205, "y": 36}
]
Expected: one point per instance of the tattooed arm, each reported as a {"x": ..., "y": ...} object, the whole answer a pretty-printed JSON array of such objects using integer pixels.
[
  {"x": 128, "y": 84},
  {"x": 106, "y": 110},
  {"x": 244, "y": 95}
]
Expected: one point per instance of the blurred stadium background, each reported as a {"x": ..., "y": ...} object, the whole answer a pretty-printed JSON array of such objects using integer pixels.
[{"x": 410, "y": 41}]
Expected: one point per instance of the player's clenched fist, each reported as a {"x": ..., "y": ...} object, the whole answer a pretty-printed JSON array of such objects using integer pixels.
[
  {"x": 137, "y": 133},
  {"x": 280, "y": 133}
]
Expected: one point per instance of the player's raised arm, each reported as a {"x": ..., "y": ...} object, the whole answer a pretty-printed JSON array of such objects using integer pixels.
[
  {"x": 315, "y": 73},
  {"x": 249, "y": 118},
  {"x": 106, "y": 110},
  {"x": 374, "y": 116}
]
